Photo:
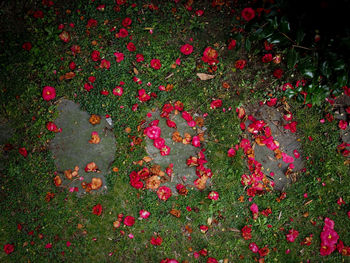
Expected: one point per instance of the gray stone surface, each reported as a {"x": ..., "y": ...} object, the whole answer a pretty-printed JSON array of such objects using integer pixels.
[
  {"x": 288, "y": 143},
  {"x": 179, "y": 152},
  {"x": 71, "y": 147}
]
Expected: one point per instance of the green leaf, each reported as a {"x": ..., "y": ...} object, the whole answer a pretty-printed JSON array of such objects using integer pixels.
[
  {"x": 248, "y": 44},
  {"x": 292, "y": 58},
  {"x": 342, "y": 79},
  {"x": 339, "y": 65},
  {"x": 300, "y": 36},
  {"x": 285, "y": 26},
  {"x": 325, "y": 69},
  {"x": 290, "y": 93},
  {"x": 307, "y": 69}
]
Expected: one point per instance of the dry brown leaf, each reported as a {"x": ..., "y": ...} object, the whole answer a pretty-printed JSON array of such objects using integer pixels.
[
  {"x": 278, "y": 154},
  {"x": 57, "y": 180},
  {"x": 201, "y": 182},
  {"x": 136, "y": 72},
  {"x": 175, "y": 212},
  {"x": 96, "y": 183},
  {"x": 147, "y": 159},
  {"x": 199, "y": 121},
  {"x": 68, "y": 174},
  {"x": 176, "y": 137},
  {"x": 204, "y": 76},
  {"x": 153, "y": 182}
]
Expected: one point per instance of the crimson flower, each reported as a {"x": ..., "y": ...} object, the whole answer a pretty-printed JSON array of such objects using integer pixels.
[
  {"x": 118, "y": 91},
  {"x": 139, "y": 58},
  {"x": 153, "y": 132},
  {"x": 278, "y": 73},
  {"x": 247, "y": 232},
  {"x": 129, "y": 220},
  {"x": 156, "y": 241},
  {"x": 52, "y": 126},
  {"x": 342, "y": 124},
  {"x": 210, "y": 56},
  {"x": 88, "y": 86},
  {"x": 159, "y": 143},
  {"x": 126, "y": 22},
  {"x": 164, "y": 193},
  {"x": 248, "y": 13},
  {"x": 95, "y": 55},
  {"x": 216, "y": 104},
  {"x": 105, "y": 64},
  {"x": 122, "y": 33},
  {"x": 231, "y": 152},
  {"x": 97, "y": 209},
  {"x": 119, "y": 56},
  {"x": 186, "y": 49},
  {"x": 165, "y": 150},
  {"x": 9, "y": 248},
  {"x": 267, "y": 58},
  {"x": 143, "y": 96},
  {"x": 49, "y": 93},
  {"x": 131, "y": 47},
  {"x": 240, "y": 64},
  {"x": 232, "y": 44},
  {"x": 27, "y": 46},
  {"x": 155, "y": 63},
  {"x": 254, "y": 247},
  {"x": 91, "y": 23}
]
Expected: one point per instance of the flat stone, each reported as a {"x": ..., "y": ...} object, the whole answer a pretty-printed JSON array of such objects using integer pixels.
[
  {"x": 179, "y": 153},
  {"x": 288, "y": 142},
  {"x": 6, "y": 131},
  {"x": 71, "y": 147}
]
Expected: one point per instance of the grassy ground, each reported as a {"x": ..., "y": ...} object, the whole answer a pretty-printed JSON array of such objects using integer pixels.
[{"x": 65, "y": 228}]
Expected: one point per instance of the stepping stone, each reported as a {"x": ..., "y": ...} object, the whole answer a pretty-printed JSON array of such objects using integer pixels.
[
  {"x": 179, "y": 153},
  {"x": 6, "y": 131},
  {"x": 288, "y": 142},
  {"x": 71, "y": 147}
]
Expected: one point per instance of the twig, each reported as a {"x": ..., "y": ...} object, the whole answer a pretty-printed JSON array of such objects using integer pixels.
[{"x": 302, "y": 47}]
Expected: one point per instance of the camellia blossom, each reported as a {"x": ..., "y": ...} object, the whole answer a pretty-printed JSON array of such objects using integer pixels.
[
  {"x": 164, "y": 193},
  {"x": 52, "y": 127},
  {"x": 155, "y": 64},
  {"x": 27, "y": 46},
  {"x": 240, "y": 64},
  {"x": 97, "y": 209},
  {"x": 342, "y": 125},
  {"x": 254, "y": 247},
  {"x": 196, "y": 142},
  {"x": 231, "y": 152},
  {"x": 232, "y": 44},
  {"x": 248, "y": 14},
  {"x": 49, "y": 93},
  {"x": 255, "y": 210},
  {"x": 213, "y": 195},
  {"x": 267, "y": 58},
  {"x": 95, "y": 55},
  {"x": 153, "y": 132},
  {"x": 159, "y": 143},
  {"x": 129, "y": 220},
  {"x": 119, "y": 57},
  {"x": 131, "y": 47},
  {"x": 9, "y": 248},
  {"x": 165, "y": 150},
  {"x": 216, "y": 104},
  {"x": 156, "y": 241},
  {"x": 144, "y": 214},
  {"x": 292, "y": 235},
  {"x": 210, "y": 56},
  {"x": 118, "y": 91},
  {"x": 126, "y": 22},
  {"x": 186, "y": 49},
  {"x": 247, "y": 232},
  {"x": 139, "y": 58}
]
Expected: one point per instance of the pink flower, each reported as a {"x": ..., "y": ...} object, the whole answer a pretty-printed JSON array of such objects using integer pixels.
[
  {"x": 186, "y": 116},
  {"x": 248, "y": 13},
  {"x": 186, "y": 49},
  {"x": 343, "y": 124},
  {"x": 203, "y": 228},
  {"x": 118, "y": 91},
  {"x": 153, "y": 132},
  {"x": 253, "y": 247},
  {"x": 196, "y": 142},
  {"x": 49, "y": 93},
  {"x": 215, "y": 104},
  {"x": 231, "y": 152},
  {"x": 286, "y": 158},
  {"x": 255, "y": 210},
  {"x": 292, "y": 235},
  {"x": 199, "y": 12},
  {"x": 48, "y": 245},
  {"x": 144, "y": 214},
  {"x": 155, "y": 63},
  {"x": 213, "y": 195},
  {"x": 164, "y": 193},
  {"x": 329, "y": 237},
  {"x": 159, "y": 143},
  {"x": 340, "y": 201},
  {"x": 119, "y": 57},
  {"x": 105, "y": 64}
]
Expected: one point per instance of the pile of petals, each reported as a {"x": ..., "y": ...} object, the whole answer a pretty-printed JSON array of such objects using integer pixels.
[
  {"x": 152, "y": 177},
  {"x": 330, "y": 238}
]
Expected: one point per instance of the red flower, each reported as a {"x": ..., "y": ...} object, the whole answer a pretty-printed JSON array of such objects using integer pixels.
[
  {"x": 95, "y": 55},
  {"x": 186, "y": 49},
  {"x": 213, "y": 195},
  {"x": 253, "y": 247},
  {"x": 119, "y": 56},
  {"x": 171, "y": 124},
  {"x": 156, "y": 241},
  {"x": 143, "y": 96},
  {"x": 212, "y": 260},
  {"x": 51, "y": 126},
  {"x": 264, "y": 251},
  {"x": 232, "y": 44},
  {"x": 49, "y": 93},
  {"x": 27, "y": 46},
  {"x": 64, "y": 36},
  {"x": 72, "y": 65},
  {"x": 267, "y": 58},
  {"x": 97, "y": 209},
  {"x": 105, "y": 64},
  {"x": 271, "y": 102},
  {"x": 203, "y": 228},
  {"x": 38, "y": 14},
  {"x": 346, "y": 90},
  {"x": 126, "y": 22},
  {"x": 216, "y": 104},
  {"x": 22, "y": 151},
  {"x": 118, "y": 91},
  {"x": 326, "y": 250},
  {"x": 122, "y": 33},
  {"x": 343, "y": 124},
  {"x": 248, "y": 14},
  {"x": 278, "y": 73},
  {"x": 231, "y": 152},
  {"x": 131, "y": 47},
  {"x": 240, "y": 64},
  {"x": 91, "y": 23},
  {"x": 164, "y": 193},
  {"x": 9, "y": 248},
  {"x": 267, "y": 45},
  {"x": 129, "y": 220},
  {"x": 246, "y": 232},
  {"x": 165, "y": 150},
  {"x": 88, "y": 86},
  {"x": 139, "y": 58},
  {"x": 210, "y": 56},
  {"x": 155, "y": 63}
]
